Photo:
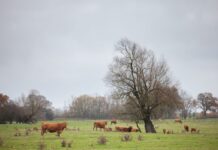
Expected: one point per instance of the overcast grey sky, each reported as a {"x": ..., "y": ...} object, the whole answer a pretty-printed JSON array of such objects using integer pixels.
[{"x": 63, "y": 47}]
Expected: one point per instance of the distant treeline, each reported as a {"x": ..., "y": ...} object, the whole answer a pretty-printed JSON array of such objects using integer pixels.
[
  {"x": 99, "y": 107},
  {"x": 34, "y": 107}
]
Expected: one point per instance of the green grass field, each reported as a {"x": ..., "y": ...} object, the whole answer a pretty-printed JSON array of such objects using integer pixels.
[{"x": 86, "y": 138}]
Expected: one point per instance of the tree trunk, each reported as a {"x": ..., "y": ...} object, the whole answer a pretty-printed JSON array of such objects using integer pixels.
[
  {"x": 205, "y": 114},
  {"x": 149, "y": 127}
]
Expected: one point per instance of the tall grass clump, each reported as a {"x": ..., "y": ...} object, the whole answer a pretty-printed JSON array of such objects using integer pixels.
[
  {"x": 140, "y": 137},
  {"x": 63, "y": 143},
  {"x": 102, "y": 140},
  {"x": 1, "y": 142},
  {"x": 42, "y": 146},
  {"x": 69, "y": 143},
  {"x": 126, "y": 138}
]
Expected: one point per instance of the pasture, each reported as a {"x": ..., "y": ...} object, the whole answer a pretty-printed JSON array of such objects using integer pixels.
[{"x": 83, "y": 137}]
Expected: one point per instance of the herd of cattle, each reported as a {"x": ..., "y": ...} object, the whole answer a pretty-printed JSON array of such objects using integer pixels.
[
  {"x": 186, "y": 128},
  {"x": 102, "y": 125},
  {"x": 59, "y": 127}
]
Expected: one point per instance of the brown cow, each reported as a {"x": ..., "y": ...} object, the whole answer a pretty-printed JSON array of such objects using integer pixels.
[
  {"x": 186, "y": 127},
  {"x": 117, "y": 128},
  {"x": 134, "y": 130},
  {"x": 178, "y": 120},
  {"x": 53, "y": 127},
  {"x": 99, "y": 124},
  {"x": 194, "y": 130},
  {"x": 123, "y": 129}
]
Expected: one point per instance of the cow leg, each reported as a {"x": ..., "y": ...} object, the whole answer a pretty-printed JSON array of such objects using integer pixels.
[
  {"x": 42, "y": 132},
  {"x": 58, "y": 133}
]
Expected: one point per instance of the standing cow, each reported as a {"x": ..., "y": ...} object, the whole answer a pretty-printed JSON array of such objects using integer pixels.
[
  {"x": 99, "y": 124},
  {"x": 53, "y": 127}
]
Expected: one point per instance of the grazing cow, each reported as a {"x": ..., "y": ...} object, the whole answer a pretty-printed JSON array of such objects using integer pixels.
[
  {"x": 164, "y": 131},
  {"x": 178, "y": 120},
  {"x": 124, "y": 129},
  {"x": 53, "y": 127},
  {"x": 134, "y": 130},
  {"x": 113, "y": 121},
  {"x": 186, "y": 127},
  {"x": 117, "y": 128},
  {"x": 99, "y": 124},
  {"x": 108, "y": 129},
  {"x": 194, "y": 130}
]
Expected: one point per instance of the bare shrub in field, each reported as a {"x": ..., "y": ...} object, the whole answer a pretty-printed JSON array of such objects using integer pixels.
[
  {"x": 102, "y": 140},
  {"x": 126, "y": 138},
  {"x": 63, "y": 143},
  {"x": 42, "y": 146},
  {"x": 27, "y": 131},
  {"x": 17, "y": 132},
  {"x": 1, "y": 142},
  {"x": 140, "y": 137},
  {"x": 35, "y": 129},
  {"x": 69, "y": 143}
]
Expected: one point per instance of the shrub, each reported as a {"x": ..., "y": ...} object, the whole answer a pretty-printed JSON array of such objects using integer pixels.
[
  {"x": 69, "y": 144},
  {"x": 35, "y": 129},
  {"x": 102, "y": 140},
  {"x": 63, "y": 143},
  {"x": 42, "y": 146},
  {"x": 126, "y": 137},
  {"x": 140, "y": 137},
  {"x": 1, "y": 142},
  {"x": 17, "y": 134},
  {"x": 27, "y": 131}
]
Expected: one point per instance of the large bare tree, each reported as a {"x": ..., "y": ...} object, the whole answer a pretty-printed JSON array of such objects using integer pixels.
[{"x": 140, "y": 80}]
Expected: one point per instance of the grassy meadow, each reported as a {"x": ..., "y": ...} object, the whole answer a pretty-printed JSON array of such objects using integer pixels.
[{"x": 86, "y": 139}]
